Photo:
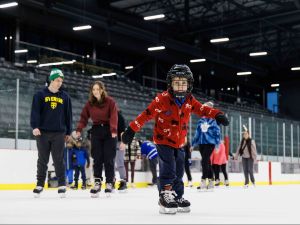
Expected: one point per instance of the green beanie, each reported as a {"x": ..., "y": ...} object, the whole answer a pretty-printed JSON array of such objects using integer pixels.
[{"x": 55, "y": 73}]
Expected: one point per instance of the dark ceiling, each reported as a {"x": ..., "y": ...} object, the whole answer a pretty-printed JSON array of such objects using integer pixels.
[{"x": 251, "y": 25}]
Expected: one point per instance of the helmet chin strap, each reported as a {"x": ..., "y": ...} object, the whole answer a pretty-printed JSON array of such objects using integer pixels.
[{"x": 180, "y": 94}]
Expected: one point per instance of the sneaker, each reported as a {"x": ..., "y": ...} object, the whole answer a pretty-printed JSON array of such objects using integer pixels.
[
  {"x": 37, "y": 191},
  {"x": 167, "y": 202},
  {"x": 183, "y": 205},
  {"x": 62, "y": 191},
  {"x": 96, "y": 189}
]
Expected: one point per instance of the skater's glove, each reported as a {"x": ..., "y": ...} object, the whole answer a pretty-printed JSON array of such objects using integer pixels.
[
  {"x": 128, "y": 135},
  {"x": 222, "y": 119}
]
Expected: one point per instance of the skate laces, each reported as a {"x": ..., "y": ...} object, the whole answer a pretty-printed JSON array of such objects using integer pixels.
[
  {"x": 169, "y": 195},
  {"x": 109, "y": 186},
  {"x": 181, "y": 200}
]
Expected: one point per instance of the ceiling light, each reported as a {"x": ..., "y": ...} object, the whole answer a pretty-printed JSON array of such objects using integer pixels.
[
  {"x": 21, "y": 51},
  {"x": 244, "y": 73},
  {"x": 128, "y": 67},
  {"x": 295, "y": 68},
  {"x": 157, "y": 48},
  {"x": 85, "y": 27},
  {"x": 258, "y": 53},
  {"x": 31, "y": 61},
  {"x": 154, "y": 17},
  {"x": 275, "y": 85},
  {"x": 217, "y": 40},
  {"x": 197, "y": 60},
  {"x": 7, "y": 5}
]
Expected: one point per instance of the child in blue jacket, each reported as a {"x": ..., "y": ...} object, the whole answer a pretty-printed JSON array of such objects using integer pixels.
[{"x": 81, "y": 158}]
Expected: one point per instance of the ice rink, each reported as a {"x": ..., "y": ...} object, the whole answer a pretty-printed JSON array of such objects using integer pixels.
[{"x": 232, "y": 205}]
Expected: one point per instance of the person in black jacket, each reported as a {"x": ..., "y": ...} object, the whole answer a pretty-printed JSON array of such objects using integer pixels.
[{"x": 51, "y": 121}]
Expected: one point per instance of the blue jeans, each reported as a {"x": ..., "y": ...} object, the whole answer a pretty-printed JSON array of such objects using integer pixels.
[{"x": 171, "y": 168}]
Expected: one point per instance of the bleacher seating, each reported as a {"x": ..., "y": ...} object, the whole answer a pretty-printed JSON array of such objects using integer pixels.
[{"x": 131, "y": 97}]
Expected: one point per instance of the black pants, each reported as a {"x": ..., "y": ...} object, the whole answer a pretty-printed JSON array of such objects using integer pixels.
[
  {"x": 78, "y": 170},
  {"x": 187, "y": 165},
  {"x": 206, "y": 151},
  {"x": 153, "y": 165},
  {"x": 248, "y": 170},
  {"x": 103, "y": 152},
  {"x": 216, "y": 169},
  {"x": 50, "y": 142}
]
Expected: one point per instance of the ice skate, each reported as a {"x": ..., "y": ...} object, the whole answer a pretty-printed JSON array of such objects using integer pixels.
[
  {"x": 183, "y": 205},
  {"x": 83, "y": 186},
  {"x": 210, "y": 186},
  {"x": 202, "y": 186},
  {"x": 217, "y": 183},
  {"x": 62, "y": 191},
  {"x": 226, "y": 183},
  {"x": 96, "y": 189},
  {"x": 167, "y": 203},
  {"x": 75, "y": 186},
  {"x": 109, "y": 189},
  {"x": 37, "y": 191},
  {"x": 122, "y": 186}
]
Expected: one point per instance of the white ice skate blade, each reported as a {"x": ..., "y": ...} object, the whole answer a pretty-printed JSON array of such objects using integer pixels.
[
  {"x": 163, "y": 210},
  {"x": 35, "y": 195},
  {"x": 62, "y": 195},
  {"x": 95, "y": 195},
  {"x": 122, "y": 191},
  {"x": 183, "y": 209}
]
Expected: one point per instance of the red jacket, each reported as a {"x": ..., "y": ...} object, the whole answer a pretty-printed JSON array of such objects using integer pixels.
[
  {"x": 171, "y": 121},
  {"x": 107, "y": 113}
]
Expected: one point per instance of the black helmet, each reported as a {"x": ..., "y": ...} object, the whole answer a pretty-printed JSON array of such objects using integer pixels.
[{"x": 183, "y": 71}]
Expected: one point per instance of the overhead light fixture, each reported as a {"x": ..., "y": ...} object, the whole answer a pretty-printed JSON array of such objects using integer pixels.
[
  {"x": 295, "y": 68},
  {"x": 128, "y": 67},
  {"x": 258, "y": 53},
  {"x": 21, "y": 51},
  {"x": 104, "y": 75},
  {"x": 5, "y": 38},
  {"x": 197, "y": 60},
  {"x": 154, "y": 17},
  {"x": 244, "y": 73},
  {"x": 7, "y": 5},
  {"x": 275, "y": 85},
  {"x": 84, "y": 27},
  {"x": 157, "y": 48},
  {"x": 31, "y": 61},
  {"x": 217, "y": 40},
  {"x": 56, "y": 63}
]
